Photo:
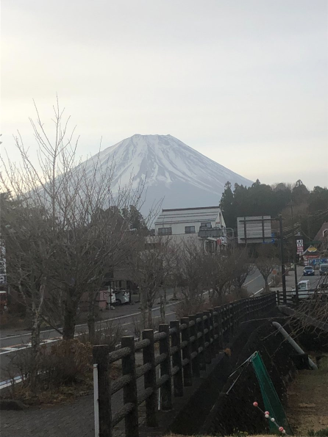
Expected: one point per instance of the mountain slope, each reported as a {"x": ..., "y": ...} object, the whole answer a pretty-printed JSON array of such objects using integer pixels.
[{"x": 171, "y": 170}]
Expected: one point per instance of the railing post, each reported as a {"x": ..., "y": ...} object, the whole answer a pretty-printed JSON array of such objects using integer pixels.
[
  {"x": 278, "y": 297},
  {"x": 212, "y": 334},
  {"x": 194, "y": 347},
  {"x": 150, "y": 378},
  {"x": 220, "y": 311},
  {"x": 226, "y": 323},
  {"x": 200, "y": 328},
  {"x": 217, "y": 331},
  {"x": 100, "y": 357},
  {"x": 130, "y": 393},
  {"x": 231, "y": 321},
  {"x": 186, "y": 352},
  {"x": 166, "y": 388},
  {"x": 176, "y": 358},
  {"x": 207, "y": 337}
]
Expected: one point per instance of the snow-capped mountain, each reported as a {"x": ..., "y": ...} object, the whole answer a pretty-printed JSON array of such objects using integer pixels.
[{"x": 172, "y": 171}]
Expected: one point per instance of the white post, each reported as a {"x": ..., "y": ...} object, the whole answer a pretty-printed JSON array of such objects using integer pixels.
[{"x": 96, "y": 399}]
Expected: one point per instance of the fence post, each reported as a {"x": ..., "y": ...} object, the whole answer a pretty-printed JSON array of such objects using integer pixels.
[
  {"x": 100, "y": 357},
  {"x": 216, "y": 330},
  {"x": 212, "y": 333},
  {"x": 220, "y": 327},
  {"x": 150, "y": 378},
  {"x": 200, "y": 328},
  {"x": 226, "y": 323},
  {"x": 130, "y": 393},
  {"x": 186, "y": 352},
  {"x": 166, "y": 388},
  {"x": 194, "y": 347},
  {"x": 278, "y": 297},
  {"x": 207, "y": 337},
  {"x": 231, "y": 321},
  {"x": 176, "y": 358}
]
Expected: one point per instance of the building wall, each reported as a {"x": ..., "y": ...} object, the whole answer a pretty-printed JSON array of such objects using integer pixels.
[{"x": 179, "y": 219}]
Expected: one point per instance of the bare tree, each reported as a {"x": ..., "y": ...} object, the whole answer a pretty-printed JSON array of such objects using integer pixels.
[
  {"x": 266, "y": 261},
  {"x": 242, "y": 266},
  {"x": 191, "y": 275},
  {"x": 76, "y": 234},
  {"x": 219, "y": 273},
  {"x": 152, "y": 267}
]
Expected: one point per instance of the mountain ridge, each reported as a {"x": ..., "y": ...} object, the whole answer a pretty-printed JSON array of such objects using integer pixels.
[{"x": 169, "y": 168}]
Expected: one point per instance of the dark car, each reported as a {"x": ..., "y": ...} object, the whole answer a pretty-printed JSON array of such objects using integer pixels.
[
  {"x": 323, "y": 269},
  {"x": 308, "y": 271}
]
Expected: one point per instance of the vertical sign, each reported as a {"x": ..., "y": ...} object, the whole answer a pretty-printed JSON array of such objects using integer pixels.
[
  {"x": 3, "y": 269},
  {"x": 300, "y": 248}
]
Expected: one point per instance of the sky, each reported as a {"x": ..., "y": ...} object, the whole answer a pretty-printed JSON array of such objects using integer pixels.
[{"x": 244, "y": 82}]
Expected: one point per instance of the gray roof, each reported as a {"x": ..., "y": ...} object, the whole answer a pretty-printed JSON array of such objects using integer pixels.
[{"x": 188, "y": 215}]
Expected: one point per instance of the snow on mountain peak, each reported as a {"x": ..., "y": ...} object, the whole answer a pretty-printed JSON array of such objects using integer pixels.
[{"x": 171, "y": 169}]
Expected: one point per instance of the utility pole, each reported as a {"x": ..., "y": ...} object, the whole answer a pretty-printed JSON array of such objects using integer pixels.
[
  {"x": 283, "y": 272},
  {"x": 294, "y": 250}
]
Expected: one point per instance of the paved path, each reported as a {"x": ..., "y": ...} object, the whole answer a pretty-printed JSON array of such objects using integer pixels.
[
  {"x": 70, "y": 420},
  {"x": 73, "y": 419}
]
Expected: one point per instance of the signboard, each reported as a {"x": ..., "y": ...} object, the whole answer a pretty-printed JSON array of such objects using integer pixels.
[
  {"x": 300, "y": 247},
  {"x": 256, "y": 229}
]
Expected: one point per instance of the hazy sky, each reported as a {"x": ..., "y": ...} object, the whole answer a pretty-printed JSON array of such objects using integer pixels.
[{"x": 244, "y": 82}]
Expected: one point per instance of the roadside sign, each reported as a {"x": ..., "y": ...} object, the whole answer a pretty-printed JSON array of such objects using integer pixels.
[
  {"x": 299, "y": 246},
  {"x": 254, "y": 229}
]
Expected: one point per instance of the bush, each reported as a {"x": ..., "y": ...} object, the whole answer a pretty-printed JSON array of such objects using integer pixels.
[
  {"x": 68, "y": 362},
  {"x": 108, "y": 333},
  {"x": 63, "y": 364}
]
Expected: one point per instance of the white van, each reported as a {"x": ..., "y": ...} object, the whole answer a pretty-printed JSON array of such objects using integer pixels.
[{"x": 304, "y": 288}]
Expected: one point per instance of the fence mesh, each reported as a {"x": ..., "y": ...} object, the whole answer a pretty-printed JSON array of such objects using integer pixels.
[{"x": 270, "y": 397}]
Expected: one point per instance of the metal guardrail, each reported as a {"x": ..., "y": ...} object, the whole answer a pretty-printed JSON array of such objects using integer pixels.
[{"x": 185, "y": 349}]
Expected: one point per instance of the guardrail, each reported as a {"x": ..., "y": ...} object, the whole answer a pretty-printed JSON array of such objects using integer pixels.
[{"x": 185, "y": 348}]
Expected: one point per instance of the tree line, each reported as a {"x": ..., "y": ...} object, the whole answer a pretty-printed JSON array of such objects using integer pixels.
[{"x": 308, "y": 209}]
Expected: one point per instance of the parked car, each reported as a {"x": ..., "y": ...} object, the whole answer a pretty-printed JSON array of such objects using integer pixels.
[
  {"x": 323, "y": 269},
  {"x": 122, "y": 296},
  {"x": 308, "y": 271},
  {"x": 304, "y": 288}
]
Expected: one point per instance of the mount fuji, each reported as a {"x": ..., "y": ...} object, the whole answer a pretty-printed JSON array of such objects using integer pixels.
[{"x": 170, "y": 170}]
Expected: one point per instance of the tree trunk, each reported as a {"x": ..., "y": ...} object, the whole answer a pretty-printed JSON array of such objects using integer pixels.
[
  {"x": 70, "y": 311},
  {"x": 92, "y": 316},
  {"x": 149, "y": 318},
  {"x": 35, "y": 345},
  {"x": 266, "y": 285},
  {"x": 162, "y": 309},
  {"x": 143, "y": 309},
  {"x": 92, "y": 327}
]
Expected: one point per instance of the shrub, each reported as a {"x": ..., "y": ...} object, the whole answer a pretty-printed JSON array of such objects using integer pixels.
[
  {"x": 108, "y": 333},
  {"x": 63, "y": 363}
]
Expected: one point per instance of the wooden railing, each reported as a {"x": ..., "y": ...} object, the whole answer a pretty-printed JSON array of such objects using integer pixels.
[
  {"x": 291, "y": 298},
  {"x": 185, "y": 348}
]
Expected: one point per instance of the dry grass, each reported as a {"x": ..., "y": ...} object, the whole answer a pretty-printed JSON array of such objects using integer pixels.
[{"x": 308, "y": 400}]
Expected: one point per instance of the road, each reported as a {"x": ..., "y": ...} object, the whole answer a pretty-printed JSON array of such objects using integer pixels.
[{"x": 125, "y": 315}]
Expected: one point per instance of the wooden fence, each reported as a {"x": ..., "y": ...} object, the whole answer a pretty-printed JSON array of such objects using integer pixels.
[
  {"x": 185, "y": 348},
  {"x": 291, "y": 298}
]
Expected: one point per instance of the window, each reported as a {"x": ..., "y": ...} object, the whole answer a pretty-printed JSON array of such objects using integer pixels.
[
  {"x": 206, "y": 225},
  {"x": 189, "y": 229},
  {"x": 165, "y": 231}
]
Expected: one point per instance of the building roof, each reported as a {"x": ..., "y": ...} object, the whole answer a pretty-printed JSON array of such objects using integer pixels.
[
  {"x": 188, "y": 215},
  {"x": 321, "y": 234}
]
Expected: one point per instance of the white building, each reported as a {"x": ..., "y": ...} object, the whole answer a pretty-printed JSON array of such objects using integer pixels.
[{"x": 205, "y": 224}]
